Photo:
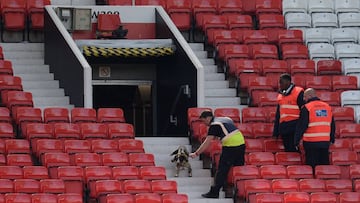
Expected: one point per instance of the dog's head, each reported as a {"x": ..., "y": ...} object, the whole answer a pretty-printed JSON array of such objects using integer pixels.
[{"x": 181, "y": 155}]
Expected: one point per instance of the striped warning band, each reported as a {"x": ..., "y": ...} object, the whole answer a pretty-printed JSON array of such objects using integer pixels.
[{"x": 93, "y": 51}]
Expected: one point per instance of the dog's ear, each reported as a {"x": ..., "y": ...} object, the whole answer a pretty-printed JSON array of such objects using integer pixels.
[
  {"x": 186, "y": 151},
  {"x": 174, "y": 152}
]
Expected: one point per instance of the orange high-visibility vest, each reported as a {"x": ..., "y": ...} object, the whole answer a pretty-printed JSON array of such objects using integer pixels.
[
  {"x": 289, "y": 109},
  {"x": 320, "y": 117}
]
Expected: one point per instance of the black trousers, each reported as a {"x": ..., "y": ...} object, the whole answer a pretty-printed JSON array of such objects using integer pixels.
[
  {"x": 288, "y": 141},
  {"x": 230, "y": 156},
  {"x": 316, "y": 156}
]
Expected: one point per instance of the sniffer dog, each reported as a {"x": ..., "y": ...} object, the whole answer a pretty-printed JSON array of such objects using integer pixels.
[{"x": 181, "y": 158}]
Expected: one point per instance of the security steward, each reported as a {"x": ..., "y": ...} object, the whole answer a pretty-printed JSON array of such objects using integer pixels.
[
  {"x": 233, "y": 148},
  {"x": 290, "y": 101},
  {"x": 316, "y": 127}
]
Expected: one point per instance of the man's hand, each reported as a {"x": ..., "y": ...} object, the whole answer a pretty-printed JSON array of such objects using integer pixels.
[{"x": 193, "y": 155}]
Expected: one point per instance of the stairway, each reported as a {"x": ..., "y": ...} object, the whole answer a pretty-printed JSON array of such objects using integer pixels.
[
  {"x": 194, "y": 186},
  {"x": 28, "y": 63}
]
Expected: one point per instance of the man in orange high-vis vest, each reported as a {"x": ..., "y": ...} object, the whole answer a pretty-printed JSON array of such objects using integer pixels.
[
  {"x": 290, "y": 101},
  {"x": 316, "y": 127}
]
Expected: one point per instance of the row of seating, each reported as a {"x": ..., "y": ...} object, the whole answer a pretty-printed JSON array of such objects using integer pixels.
[
  {"x": 41, "y": 198},
  {"x": 316, "y": 197},
  {"x": 329, "y": 6},
  {"x": 331, "y": 35},
  {"x": 146, "y": 197}
]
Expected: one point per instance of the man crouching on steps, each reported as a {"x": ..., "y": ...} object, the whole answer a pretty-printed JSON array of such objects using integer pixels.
[{"x": 233, "y": 148}]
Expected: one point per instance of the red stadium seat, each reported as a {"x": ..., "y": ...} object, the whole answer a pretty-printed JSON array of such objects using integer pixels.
[
  {"x": 9, "y": 82},
  {"x": 35, "y": 172},
  {"x": 5, "y": 115},
  {"x": 264, "y": 51},
  {"x": 267, "y": 21},
  {"x": 261, "y": 158},
  {"x": 339, "y": 185},
  {"x": 349, "y": 130},
  {"x": 264, "y": 98},
  {"x": 268, "y": 6},
  {"x": 136, "y": 186},
  {"x": 141, "y": 159},
  {"x": 264, "y": 131},
  {"x": 115, "y": 159},
  {"x": 319, "y": 82},
  {"x": 55, "y": 186},
  {"x": 14, "y": 14},
  {"x": 56, "y": 114},
  {"x": 254, "y": 145},
  {"x": 202, "y": 7},
  {"x": 341, "y": 145},
  {"x": 270, "y": 113},
  {"x": 119, "y": 2},
  {"x": 126, "y": 173},
  {"x": 294, "y": 51},
  {"x": 180, "y": 13},
  {"x": 110, "y": 115},
  {"x": 48, "y": 145},
  {"x": 229, "y": 7},
  {"x": 272, "y": 172},
  {"x": 27, "y": 114},
  {"x": 95, "y": 173},
  {"x": 124, "y": 198},
  {"x": 121, "y": 130},
  {"x": 77, "y": 146},
  {"x": 234, "y": 51},
  {"x": 268, "y": 198},
  {"x": 356, "y": 185},
  {"x": 39, "y": 130},
  {"x": 105, "y": 187},
  {"x": 53, "y": 160},
  {"x": 19, "y": 160},
  {"x": 247, "y": 172},
  {"x": 83, "y": 115},
  {"x": 343, "y": 83},
  {"x": 332, "y": 98},
  {"x": 277, "y": 67},
  {"x": 102, "y": 146},
  {"x": 232, "y": 113},
  {"x": 35, "y": 11},
  {"x": 131, "y": 146},
  {"x": 6, "y": 130},
  {"x": 253, "y": 114},
  {"x": 349, "y": 197},
  {"x": 193, "y": 114},
  {"x": 261, "y": 83},
  {"x": 6, "y": 186},
  {"x": 296, "y": 197},
  {"x": 163, "y": 186},
  {"x": 73, "y": 177},
  {"x": 323, "y": 197},
  {"x": 251, "y": 187},
  {"x": 26, "y": 186},
  {"x": 17, "y": 146},
  {"x": 327, "y": 172},
  {"x": 343, "y": 157},
  {"x": 290, "y": 36},
  {"x": 11, "y": 172},
  {"x": 255, "y": 37},
  {"x": 147, "y": 198},
  {"x": 3, "y": 161},
  {"x": 174, "y": 198},
  {"x": 152, "y": 2},
  {"x": 343, "y": 114},
  {"x": 312, "y": 185},
  {"x": 246, "y": 129},
  {"x": 288, "y": 158},
  {"x": 329, "y": 67},
  {"x": 106, "y": 24},
  {"x": 236, "y": 21},
  {"x": 354, "y": 171},
  {"x": 240, "y": 67},
  {"x": 284, "y": 185},
  {"x": 87, "y": 159},
  {"x": 17, "y": 98},
  {"x": 212, "y": 21},
  {"x": 299, "y": 171},
  {"x": 6, "y": 67},
  {"x": 17, "y": 197},
  {"x": 152, "y": 173},
  {"x": 67, "y": 130},
  {"x": 223, "y": 37},
  {"x": 2, "y": 146},
  {"x": 93, "y": 131},
  {"x": 43, "y": 198}
]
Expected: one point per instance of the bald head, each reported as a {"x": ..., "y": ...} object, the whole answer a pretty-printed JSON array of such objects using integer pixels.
[{"x": 309, "y": 93}]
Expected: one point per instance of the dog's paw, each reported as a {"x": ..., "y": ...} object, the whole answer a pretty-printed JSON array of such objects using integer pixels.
[{"x": 176, "y": 175}]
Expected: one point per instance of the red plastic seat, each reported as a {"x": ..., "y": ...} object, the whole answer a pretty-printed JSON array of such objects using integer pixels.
[
  {"x": 174, "y": 198},
  {"x": 339, "y": 185},
  {"x": 354, "y": 171},
  {"x": 237, "y": 21},
  {"x": 6, "y": 130},
  {"x": 152, "y": 2},
  {"x": 121, "y": 130},
  {"x": 290, "y": 36},
  {"x": 115, "y": 159},
  {"x": 6, "y": 186},
  {"x": 220, "y": 36},
  {"x": 253, "y": 114},
  {"x": 284, "y": 185},
  {"x": 77, "y": 146},
  {"x": 349, "y": 197},
  {"x": 341, "y": 145},
  {"x": 344, "y": 82},
  {"x": 180, "y": 13},
  {"x": 93, "y": 130},
  {"x": 5, "y": 115},
  {"x": 332, "y": 98},
  {"x": 329, "y": 67},
  {"x": 83, "y": 115},
  {"x": 27, "y": 114},
  {"x": 73, "y": 177},
  {"x": 312, "y": 185},
  {"x": 106, "y": 24},
  {"x": 251, "y": 187},
  {"x": 131, "y": 146},
  {"x": 356, "y": 185},
  {"x": 19, "y": 160},
  {"x": 229, "y": 7},
  {"x": 323, "y": 197},
  {"x": 67, "y": 130},
  {"x": 124, "y": 198},
  {"x": 39, "y": 130},
  {"x": 246, "y": 130},
  {"x": 349, "y": 130},
  {"x": 55, "y": 186},
  {"x": 233, "y": 51},
  {"x": 35, "y": 11},
  {"x": 102, "y": 146},
  {"x": 17, "y": 98},
  {"x": 17, "y": 146},
  {"x": 136, "y": 186},
  {"x": 255, "y": 37},
  {"x": 271, "y": 145},
  {"x": 35, "y": 172},
  {"x": 294, "y": 51},
  {"x": 9, "y": 82},
  {"x": 264, "y": 131},
  {"x": 125, "y": 173},
  {"x": 319, "y": 82},
  {"x": 268, "y": 6},
  {"x": 268, "y": 198},
  {"x": 212, "y": 21},
  {"x": 26, "y": 186},
  {"x": 53, "y": 160},
  {"x": 267, "y": 21},
  {"x": 87, "y": 159},
  {"x": 193, "y": 114},
  {"x": 232, "y": 113},
  {"x": 17, "y": 197},
  {"x": 105, "y": 187},
  {"x": 152, "y": 173},
  {"x": 261, "y": 158},
  {"x": 69, "y": 198},
  {"x": 141, "y": 159},
  {"x": 343, "y": 114},
  {"x": 288, "y": 158},
  {"x": 343, "y": 157},
  {"x": 163, "y": 186},
  {"x": 238, "y": 173},
  {"x": 327, "y": 172},
  {"x": 3, "y": 161},
  {"x": 119, "y": 2},
  {"x": 13, "y": 14},
  {"x": 48, "y": 145},
  {"x": 147, "y": 198},
  {"x": 11, "y": 172},
  {"x": 105, "y": 115},
  {"x": 202, "y": 7},
  {"x": 95, "y": 173},
  {"x": 254, "y": 145},
  {"x": 296, "y": 197},
  {"x": 277, "y": 67},
  {"x": 261, "y": 83},
  {"x": 264, "y": 51},
  {"x": 272, "y": 172},
  {"x": 56, "y": 114},
  {"x": 6, "y": 67},
  {"x": 239, "y": 67},
  {"x": 299, "y": 171}
]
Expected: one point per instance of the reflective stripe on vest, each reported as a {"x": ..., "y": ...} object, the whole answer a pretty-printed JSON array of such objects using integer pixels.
[
  {"x": 232, "y": 139},
  {"x": 319, "y": 126},
  {"x": 289, "y": 110}
]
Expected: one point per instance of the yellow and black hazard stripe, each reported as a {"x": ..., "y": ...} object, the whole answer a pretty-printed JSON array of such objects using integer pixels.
[{"x": 93, "y": 51}]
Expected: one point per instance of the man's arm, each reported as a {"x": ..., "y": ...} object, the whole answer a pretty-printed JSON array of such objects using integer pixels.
[
  {"x": 332, "y": 132},
  {"x": 300, "y": 99},
  {"x": 202, "y": 147},
  {"x": 302, "y": 125},
  {"x": 276, "y": 122}
]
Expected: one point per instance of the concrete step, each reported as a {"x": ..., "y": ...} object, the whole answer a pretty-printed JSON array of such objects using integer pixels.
[
  {"x": 8, "y": 47},
  {"x": 210, "y": 69},
  {"x": 54, "y": 101},
  {"x": 196, "y": 46},
  {"x": 221, "y": 101},
  {"x": 216, "y": 84},
  {"x": 49, "y": 105},
  {"x": 24, "y": 55},
  {"x": 52, "y": 84},
  {"x": 203, "y": 200},
  {"x": 161, "y": 141},
  {"x": 46, "y": 92},
  {"x": 168, "y": 164},
  {"x": 167, "y": 149},
  {"x": 206, "y": 62},
  {"x": 170, "y": 172},
  {"x": 185, "y": 181},
  {"x": 28, "y": 69},
  {"x": 201, "y": 54},
  {"x": 36, "y": 76},
  {"x": 28, "y": 62},
  {"x": 214, "y": 76},
  {"x": 225, "y": 92},
  {"x": 195, "y": 196}
]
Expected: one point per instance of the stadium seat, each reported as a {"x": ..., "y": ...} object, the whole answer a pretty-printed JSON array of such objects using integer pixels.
[
  {"x": 284, "y": 185},
  {"x": 95, "y": 173},
  {"x": 3, "y": 161},
  {"x": 11, "y": 172},
  {"x": 349, "y": 130},
  {"x": 110, "y": 115},
  {"x": 349, "y": 20},
  {"x": 53, "y": 160},
  {"x": 349, "y": 197},
  {"x": 301, "y": 67},
  {"x": 263, "y": 131},
  {"x": 27, "y": 114},
  {"x": 237, "y": 67},
  {"x": 5, "y": 115},
  {"x": 152, "y": 2},
  {"x": 35, "y": 172},
  {"x": 294, "y": 51},
  {"x": 54, "y": 186},
  {"x": 297, "y": 20},
  {"x": 17, "y": 197},
  {"x": 17, "y": 146},
  {"x": 105, "y": 187},
  {"x": 275, "y": 67},
  {"x": 268, "y": 198},
  {"x": 201, "y": 8},
  {"x": 253, "y": 114},
  {"x": 294, "y": 6},
  {"x": 125, "y": 173},
  {"x": 246, "y": 129},
  {"x": 131, "y": 146},
  {"x": 19, "y": 160},
  {"x": 120, "y": 130},
  {"x": 87, "y": 159},
  {"x": 318, "y": 82},
  {"x": 312, "y": 185},
  {"x": 180, "y": 13},
  {"x": 14, "y": 14},
  {"x": 6, "y": 186},
  {"x": 212, "y": 21},
  {"x": 321, "y": 51},
  {"x": 299, "y": 171},
  {"x": 317, "y": 35},
  {"x": 73, "y": 177},
  {"x": 261, "y": 158},
  {"x": 272, "y": 172},
  {"x": 152, "y": 173},
  {"x": 332, "y": 98},
  {"x": 9, "y": 82},
  {"x": 141, "y": 159},
  {"x": 326, "y": 20},
  {"x": 115, "y": 159},
  {"x": 56, "y": 114},
  {"x": 326, "y": 6},
  {"x": 17, "y": 98},
  {"x": 28, "y": 186},
  {"x": 287, "y": 158},
  {"x": 296, "y": 197},
  {"x": 254, "y": 36},
  {"x": 194, "y": 113},
  {"x": 199, "y": 132},
  {"x": 174, "y": 198},
  {"x": 93, "y": 131},
  {"x": 268, "y": 6},
  {"x": 267, "y": 21},
  {"x": 230, "y": 52},
  {"x": 115, "y": 198},
  {"x": 327, "y": 172},
  {"x": 343, "y": 114},
  {"x": 354, "y": 171},
  {"x": 163, "y": 186},
  {"x": 39, "y": 130},
  {"x": 147, "y": 197},
  {"x": 347, "y": 50},
  {"x": 264, "y": 98},
  {"x": 47, "y": 145},
  {"x": 264, "y": 51},
  {"x": 329, "y": 67},
  {"x": 67, "y": 131},
  {"x": 77, "y": 146},
  {"x": 346, "y": 6},
  {"x": 79, "y": 115},
  {"x": 35, "y": 12},
  {"x": 343, "y": 157},
  {"x": 232, "y": 113},
  {"x": 272, "y": 145},
  {"x": 246, "y": 172},
  {"x": 236, "y": 21},
  {"x": 107, "y": 24},
  {"x": 6, "y": 67},
  {"x": 102, "y": 146},
  {"x": 136, "y": 186},
  {"x": 251, "y": 187},
  {"x": 262, "y": 83},
  {"x": 341, "y": 145},
  {"x": 119, "y": 2},
  {"x": 351, "y": 66},
  {"x": 341, "y": 35},
  {"x": 323, "y": 197},
  {"x": 289, "y": 36},
  {"x": 339, "y": 185},
  {"x": 44, "y": 198},
  {"x": 343, "y": 83},
  {"x": 350, "y": 97}
]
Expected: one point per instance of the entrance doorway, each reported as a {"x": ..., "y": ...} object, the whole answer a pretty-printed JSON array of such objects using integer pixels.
[{"x": 136, "y": 99}]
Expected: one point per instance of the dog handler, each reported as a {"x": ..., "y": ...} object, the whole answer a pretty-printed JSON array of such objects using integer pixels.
[{"x": 233, "y": 148}]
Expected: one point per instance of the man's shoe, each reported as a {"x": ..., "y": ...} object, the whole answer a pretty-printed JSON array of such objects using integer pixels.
[{"x": 210, "y": 195}]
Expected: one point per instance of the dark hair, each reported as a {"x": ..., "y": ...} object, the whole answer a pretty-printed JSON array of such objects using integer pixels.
[
  {"x": 206, "y": 114},
  {"x": 285, "y": 76}
]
